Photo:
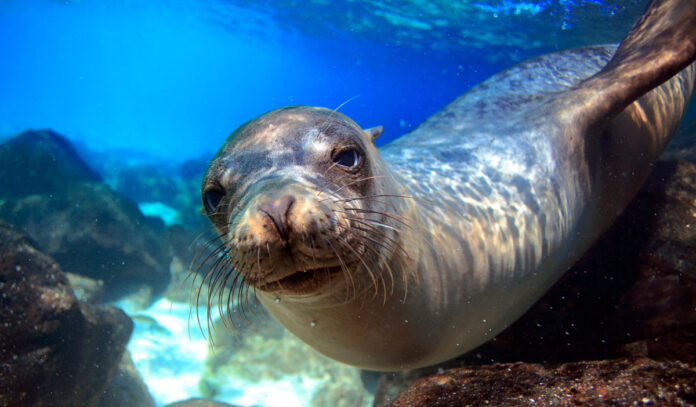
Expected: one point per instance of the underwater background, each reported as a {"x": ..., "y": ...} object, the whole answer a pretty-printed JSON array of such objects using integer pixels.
[
  {"x": 147, "y": 90},
  {"x": 174, "y": 78}
]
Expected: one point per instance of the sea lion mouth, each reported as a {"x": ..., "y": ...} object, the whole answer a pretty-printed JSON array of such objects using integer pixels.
[{"x": 305, "y": 281}]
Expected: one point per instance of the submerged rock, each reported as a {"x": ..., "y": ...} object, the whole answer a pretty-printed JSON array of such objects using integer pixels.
[
  {"x": 633, "y": 294},
  {"x": 40, "y": 162},
  {"x": 88, "y": 228},
  {"x": 93, "y": 231},
  {"x": 641, "y": 382},
  {"x": 54, "y": 350},
  {"x": 127, "y": 388}
]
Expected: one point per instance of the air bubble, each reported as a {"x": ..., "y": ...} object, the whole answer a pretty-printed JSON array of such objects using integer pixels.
[
  {"x": 312, "y": 323},
  {"x": 276, "y": 300}
]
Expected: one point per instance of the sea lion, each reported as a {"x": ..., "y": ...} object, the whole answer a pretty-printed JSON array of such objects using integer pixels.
[{"x": 416, "y": 253}]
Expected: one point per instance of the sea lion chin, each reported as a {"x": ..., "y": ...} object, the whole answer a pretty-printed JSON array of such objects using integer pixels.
[{"x": 421, "y": 251}]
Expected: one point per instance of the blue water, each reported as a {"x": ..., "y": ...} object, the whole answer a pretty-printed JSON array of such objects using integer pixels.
[
  {"x": 174, "y": 78},
  {"x": 170, "y": 79}
]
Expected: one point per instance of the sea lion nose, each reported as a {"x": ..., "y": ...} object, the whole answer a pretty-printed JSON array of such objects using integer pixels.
[{"x": 277, "y": 211}]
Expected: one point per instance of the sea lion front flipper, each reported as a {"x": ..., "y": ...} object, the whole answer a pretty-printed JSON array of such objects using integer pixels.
[{"x": 660, "y": 44}]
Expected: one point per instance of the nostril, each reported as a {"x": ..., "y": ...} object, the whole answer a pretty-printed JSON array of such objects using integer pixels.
[{"x": 277, "y": 210}]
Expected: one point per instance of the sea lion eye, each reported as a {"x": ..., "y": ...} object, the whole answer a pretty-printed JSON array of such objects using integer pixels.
[
  {"x": 212, "y": 197},
  {"x": 348, "y": 158}
]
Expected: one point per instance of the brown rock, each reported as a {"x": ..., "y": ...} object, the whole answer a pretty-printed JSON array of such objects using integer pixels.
[
  {"x": 54, "y": 350},
  {"x": 127, "y": 388},
  {"x": 641, "y": 382}
]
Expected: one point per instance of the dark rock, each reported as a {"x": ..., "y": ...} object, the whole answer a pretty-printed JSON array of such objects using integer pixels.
[
  {"x": 199, "y": 403},
  {"x": 633, "y": 294},
  {"x": 95, "y": 232},
  {"x": 54, "y": 350},
  {"x": 40, "y": 162},
  {"x": 127, "y": 388},
  {"x": 641, "y": 382},
  {"x": 677, "y": 345}
]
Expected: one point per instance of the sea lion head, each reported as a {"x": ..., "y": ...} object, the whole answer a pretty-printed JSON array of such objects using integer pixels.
[{"x": 300, "y": 198}]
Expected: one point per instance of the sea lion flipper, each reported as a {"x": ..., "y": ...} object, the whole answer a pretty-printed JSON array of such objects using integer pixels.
[{"x": 660, "y": 44}]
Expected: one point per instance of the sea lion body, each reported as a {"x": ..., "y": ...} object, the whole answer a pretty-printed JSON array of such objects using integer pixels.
[
  {"x": 517, "y": 202},
  {"x": 419, "y": 252}
]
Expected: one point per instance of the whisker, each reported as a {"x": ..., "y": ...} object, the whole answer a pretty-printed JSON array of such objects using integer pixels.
[
  {"x": 232, "y": 272},
  {"x": 336, "y": 110},
  {"x": 344, "y": 268},
  {"x": 371, "y": 222},
  {"x": 367, "y": 268},
  {"x": 392, "y": 245},
  {"x": 374, "y": 196},
  {"x": 389, "y": 272},
  {"x": 398, "y": 218},
  {"x": 258, "y": 258}
]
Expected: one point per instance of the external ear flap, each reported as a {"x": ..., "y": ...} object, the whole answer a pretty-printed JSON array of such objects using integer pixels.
[{"x": 374, "y": 132}]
